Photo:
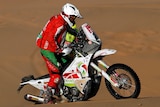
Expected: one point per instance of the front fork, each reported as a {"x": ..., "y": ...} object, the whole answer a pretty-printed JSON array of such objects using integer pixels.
[{"x": 115, "y": 84}]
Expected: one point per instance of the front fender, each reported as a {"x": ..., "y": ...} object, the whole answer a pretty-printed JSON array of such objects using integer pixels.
[{"x": 104, "y": 52}]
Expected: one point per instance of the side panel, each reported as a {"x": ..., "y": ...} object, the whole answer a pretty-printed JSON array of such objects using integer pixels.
[{"x": 77, "y": 70}]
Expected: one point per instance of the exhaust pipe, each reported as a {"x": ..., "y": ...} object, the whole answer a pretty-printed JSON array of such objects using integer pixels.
[{"x": 33, "y": 98}]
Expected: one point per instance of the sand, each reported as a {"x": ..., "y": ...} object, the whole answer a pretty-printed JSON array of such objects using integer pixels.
[{"x": 132, "y": 27}]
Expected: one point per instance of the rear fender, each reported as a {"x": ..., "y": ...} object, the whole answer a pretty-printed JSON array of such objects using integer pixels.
[{"x": 39, "y": 84}]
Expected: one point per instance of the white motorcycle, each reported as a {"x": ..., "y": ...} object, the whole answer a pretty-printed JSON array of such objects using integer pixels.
[{"x": 82, "y": 75}]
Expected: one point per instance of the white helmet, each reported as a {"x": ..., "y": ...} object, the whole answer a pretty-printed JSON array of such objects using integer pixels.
[{"x": 69, "y": 9}]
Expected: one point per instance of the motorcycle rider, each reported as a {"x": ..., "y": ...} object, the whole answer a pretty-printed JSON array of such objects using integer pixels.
[{"x": 51, "y": 40}]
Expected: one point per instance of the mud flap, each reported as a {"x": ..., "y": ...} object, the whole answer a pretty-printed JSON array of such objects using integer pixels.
[{"x": 20, "y": 87}]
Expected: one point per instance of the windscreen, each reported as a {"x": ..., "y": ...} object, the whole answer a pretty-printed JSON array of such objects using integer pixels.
[{"x": 91, "y": 42}]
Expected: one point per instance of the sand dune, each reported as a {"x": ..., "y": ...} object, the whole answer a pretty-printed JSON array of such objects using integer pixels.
[{"x": 131, "y": 27}]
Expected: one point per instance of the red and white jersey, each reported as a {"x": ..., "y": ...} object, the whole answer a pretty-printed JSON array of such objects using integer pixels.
[{"x": 51, "y": 37}]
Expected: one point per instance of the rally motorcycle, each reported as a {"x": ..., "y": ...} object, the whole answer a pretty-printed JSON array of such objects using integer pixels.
[{"x": 81, "y": 76}]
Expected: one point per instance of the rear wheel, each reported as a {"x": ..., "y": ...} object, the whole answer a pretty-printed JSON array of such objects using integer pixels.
[{"x": 129, "y": 83}]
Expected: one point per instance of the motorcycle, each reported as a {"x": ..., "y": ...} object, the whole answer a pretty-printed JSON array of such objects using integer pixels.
[{"x": 82, "y": 74}]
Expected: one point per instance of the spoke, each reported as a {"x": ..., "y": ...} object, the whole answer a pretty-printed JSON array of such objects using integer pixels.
[
  {"x": 131, "y": 85},
  {"x": 125, "y": 80}
]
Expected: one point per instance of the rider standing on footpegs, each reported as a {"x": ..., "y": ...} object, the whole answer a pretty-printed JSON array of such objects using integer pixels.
[{"x": 51, "y": 40}]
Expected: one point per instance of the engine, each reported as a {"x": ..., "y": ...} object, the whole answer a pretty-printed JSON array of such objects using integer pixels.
[{"x": 72, "y": 93}]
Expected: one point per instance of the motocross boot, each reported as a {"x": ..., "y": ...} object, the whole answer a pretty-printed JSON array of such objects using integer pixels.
[{"x": 48, "y": 98}]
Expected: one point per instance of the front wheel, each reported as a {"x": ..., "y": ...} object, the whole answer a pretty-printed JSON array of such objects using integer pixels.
[{"x": 129, "y": 83}]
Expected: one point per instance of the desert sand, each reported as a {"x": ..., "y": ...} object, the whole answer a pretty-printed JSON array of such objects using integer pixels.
[{"x": 132, "y": 27}]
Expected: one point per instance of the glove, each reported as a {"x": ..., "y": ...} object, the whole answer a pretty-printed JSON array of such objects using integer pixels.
[{"x": 58, "y": 50}]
